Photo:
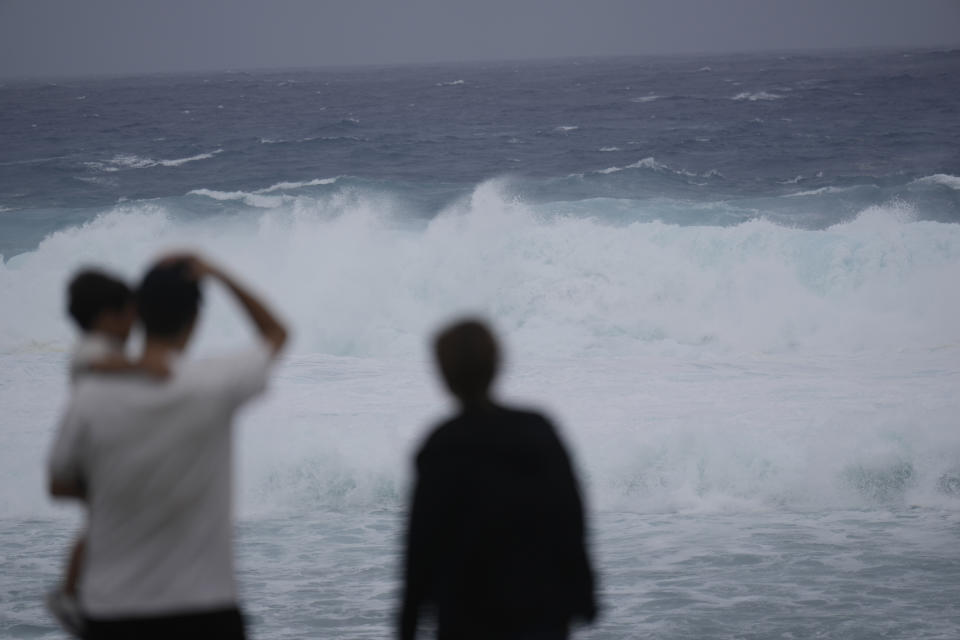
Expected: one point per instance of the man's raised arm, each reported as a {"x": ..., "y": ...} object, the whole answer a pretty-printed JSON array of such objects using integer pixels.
[{"x": 270, "y": 328}]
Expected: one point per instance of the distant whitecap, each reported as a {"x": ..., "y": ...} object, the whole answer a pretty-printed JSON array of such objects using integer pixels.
[
  {"x": 943, "y": 179},
  {"x": 287, "y": 186},
  {"x": 123, "y": 161},
  {"x": 757, "y": 95}
]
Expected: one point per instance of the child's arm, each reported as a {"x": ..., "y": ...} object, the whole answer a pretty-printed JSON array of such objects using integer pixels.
[
  {"x": 75, "y": 564},
  {"x": 119, "y": 364}
]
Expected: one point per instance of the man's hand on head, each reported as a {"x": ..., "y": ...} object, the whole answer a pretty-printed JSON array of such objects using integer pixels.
[
  {"x": 269, "y": 327},
  {"x": 196, "y": 265}
]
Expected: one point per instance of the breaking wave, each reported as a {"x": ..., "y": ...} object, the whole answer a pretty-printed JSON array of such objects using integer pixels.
[
  {"x": 942, "y": 179},
  {"x": 696, "y": 367},
  {"x": 366, "y": 280}
]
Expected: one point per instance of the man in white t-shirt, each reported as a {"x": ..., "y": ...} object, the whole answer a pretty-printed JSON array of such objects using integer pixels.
[{"x": 152, "y": 459}]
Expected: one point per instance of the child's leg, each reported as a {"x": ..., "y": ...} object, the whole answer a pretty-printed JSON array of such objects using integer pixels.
[{"x": 74, "y": 566}]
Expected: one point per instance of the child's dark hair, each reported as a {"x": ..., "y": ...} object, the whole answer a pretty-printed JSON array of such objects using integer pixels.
[{"x": 92, "y": 292}]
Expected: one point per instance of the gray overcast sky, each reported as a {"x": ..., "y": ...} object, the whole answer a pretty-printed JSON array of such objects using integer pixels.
[{"x": 71, "y": 37}]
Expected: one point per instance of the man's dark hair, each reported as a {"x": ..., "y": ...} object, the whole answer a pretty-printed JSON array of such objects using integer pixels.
[
  {"x": 468, "y": 357},
  {"x": 168, "y": 299},
  {"x": 92, "y": 292}
]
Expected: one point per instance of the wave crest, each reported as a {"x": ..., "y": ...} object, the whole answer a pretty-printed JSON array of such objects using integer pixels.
[
  {"x": 943, "y": 179},
  {"x": 378, "y": 282}
]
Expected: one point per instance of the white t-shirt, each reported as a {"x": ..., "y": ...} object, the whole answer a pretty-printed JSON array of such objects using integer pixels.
[
  {"x": 155, "y": 459},
  {"x": 90, "y": 349}
]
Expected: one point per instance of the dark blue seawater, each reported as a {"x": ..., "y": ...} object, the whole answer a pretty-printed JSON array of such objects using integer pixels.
[{"x": 847, "y": 129}]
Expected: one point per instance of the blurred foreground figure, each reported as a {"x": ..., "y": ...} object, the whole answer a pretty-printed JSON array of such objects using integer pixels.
[
  {"x": 104, "y": 310},
  {"x": 495, "y": 542},
  {"x": 152, "y": 458}
]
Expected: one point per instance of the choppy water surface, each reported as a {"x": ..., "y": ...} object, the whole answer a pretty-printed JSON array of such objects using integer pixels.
[{"x": 845, "y": 574}]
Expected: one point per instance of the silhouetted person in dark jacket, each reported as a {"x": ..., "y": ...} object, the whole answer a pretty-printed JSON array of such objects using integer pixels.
[{"x": 496, "y": 533}]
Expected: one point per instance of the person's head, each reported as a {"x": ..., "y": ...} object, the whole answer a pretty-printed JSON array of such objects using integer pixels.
[
  {"x": 168, "y": 301},
  {"x": 100, "y": 303},
  {"x": 468, "y": 358}
]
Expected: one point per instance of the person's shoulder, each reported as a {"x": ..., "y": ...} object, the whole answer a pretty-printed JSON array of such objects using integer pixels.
[
  {"x": 532, "y": 427},
  {"x": 527, "y": 414},
  {"x": 440, "y": 440},
  {"x": 93, "y": 392},
  {"x": 527, "y": 417},
  {"x": 440, "y": 434},
  {"x": 229, "y": 378},
  {"x": 88, "y": 349},
  {"x": 228, "y": 368},
  {"x": 257, "y": 354}
]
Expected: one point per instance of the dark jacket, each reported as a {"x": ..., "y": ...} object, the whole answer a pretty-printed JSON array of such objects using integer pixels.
[{"x": 496, "y": 532}]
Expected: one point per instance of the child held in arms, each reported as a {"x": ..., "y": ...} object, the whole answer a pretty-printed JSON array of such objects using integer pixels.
[{"x": 104, "y": 310}]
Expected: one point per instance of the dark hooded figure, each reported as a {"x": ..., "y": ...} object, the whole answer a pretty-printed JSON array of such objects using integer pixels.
[{"x": 495, "y": 544}]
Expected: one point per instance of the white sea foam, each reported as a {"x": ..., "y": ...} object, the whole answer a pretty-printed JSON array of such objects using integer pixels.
[
  {"x": 252, "y": 199},
  {"x": 123, "y": 161},
  {"x": 586, "y": 285},
  {"x": 649, "y": 98},
  {"x": 452, "y": 83},
  {"x": 220, "y": 195},
  {"x": 652, "y": 163},
  {"x": 818, "y": 192},
  {"x": 757, "y": 95},
  {"x": 182, "y": 161},
  {"x": 289, "y": 186},
  {"x": 944, "y": 179},
  {"x": 646, "y": 163},
  {"x": 609, "y": 149},
  {"x": 566, "y": 128},
  {"x": 129, "y": 161},
  {"x": 257, "y": 198},
  {"x": 693, "y": 368}
]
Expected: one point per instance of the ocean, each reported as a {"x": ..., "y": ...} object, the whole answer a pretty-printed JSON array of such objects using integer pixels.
[{"x": 731, "y": 280}]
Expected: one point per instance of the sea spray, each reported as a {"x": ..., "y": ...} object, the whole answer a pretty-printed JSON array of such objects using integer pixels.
[{"x": 357, "y": 278}]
